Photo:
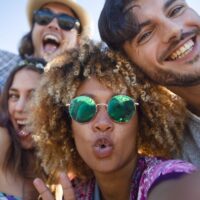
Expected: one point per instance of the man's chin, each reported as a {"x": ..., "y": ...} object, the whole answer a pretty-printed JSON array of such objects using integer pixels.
[
  {"x": 167, "y": 78},
  {"x": 183, "y": 83}
]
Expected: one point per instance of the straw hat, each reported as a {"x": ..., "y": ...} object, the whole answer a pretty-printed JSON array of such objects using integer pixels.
[{"x": 82, "y": 14}]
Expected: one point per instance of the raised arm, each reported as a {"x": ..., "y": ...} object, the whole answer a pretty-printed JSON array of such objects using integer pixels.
[{"x": 186, "y": 187}]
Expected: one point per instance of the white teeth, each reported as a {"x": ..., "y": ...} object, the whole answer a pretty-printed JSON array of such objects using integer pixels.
[
  {"x": 183, "y": 50},
  {"x": 51, "y": 37},
  {"x": 21, "y": 122}
]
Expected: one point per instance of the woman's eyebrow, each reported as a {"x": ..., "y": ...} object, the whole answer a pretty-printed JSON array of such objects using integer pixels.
[{"x": 13, "y": 90}]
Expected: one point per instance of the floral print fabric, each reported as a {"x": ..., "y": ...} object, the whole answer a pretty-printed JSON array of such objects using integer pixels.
[{"x": 148, "y": 171}]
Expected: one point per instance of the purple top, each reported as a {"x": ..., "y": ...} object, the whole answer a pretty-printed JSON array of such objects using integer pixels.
[
  {"x": 4, "y": 196},
  {"x": 148, "y": 172}
]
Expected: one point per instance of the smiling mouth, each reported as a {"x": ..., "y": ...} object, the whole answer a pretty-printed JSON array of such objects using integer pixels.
[
  {"x": 22, "y": 129},
  {"x": 183, "y": 50},
  {"x": 50, "y": 43}
]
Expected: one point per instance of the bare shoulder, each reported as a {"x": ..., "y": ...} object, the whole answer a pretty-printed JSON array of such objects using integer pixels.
[
  {"x": 3, "y": 130},
  {"x": 185, "y": 188}
]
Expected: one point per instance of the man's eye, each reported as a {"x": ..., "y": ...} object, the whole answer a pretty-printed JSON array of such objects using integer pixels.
[
  {"x": 175, "y": 11},
  {"x": 144, "y": 37}
]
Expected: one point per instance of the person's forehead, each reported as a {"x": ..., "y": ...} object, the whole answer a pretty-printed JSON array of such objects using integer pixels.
[
  {"x": 59, "y": 8},
  {"x": 149, "y": 10},
  {"x": 25, "y": 76},
  {"x": 91, "y": 85},
  {"x": 150, "y": 5}
]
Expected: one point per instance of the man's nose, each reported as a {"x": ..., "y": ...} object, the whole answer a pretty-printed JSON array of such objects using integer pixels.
[
  {"x": 102, "y": 122},
  {"x": 171, "y": 31}
]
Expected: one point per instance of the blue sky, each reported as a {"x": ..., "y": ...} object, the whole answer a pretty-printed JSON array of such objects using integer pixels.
[{"x": 14, "y": 24}]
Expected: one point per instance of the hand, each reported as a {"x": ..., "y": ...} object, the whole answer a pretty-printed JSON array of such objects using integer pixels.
[{"x": 45, "y": 193}]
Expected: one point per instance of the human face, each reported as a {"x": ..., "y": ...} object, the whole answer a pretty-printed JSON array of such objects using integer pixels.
[
  {"x": 50, "y": 40},
  {"x": 104, "y": 145},
  {"x": 24, "y": 84},
  {"x": 167, "y": 47}
]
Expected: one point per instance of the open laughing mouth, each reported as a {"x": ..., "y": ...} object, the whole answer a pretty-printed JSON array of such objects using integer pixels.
[
  {"x": 21, "y": 128},
  {"x": 50, "y": 43}
]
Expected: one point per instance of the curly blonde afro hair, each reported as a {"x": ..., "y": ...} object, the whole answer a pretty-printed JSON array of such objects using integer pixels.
[{"x": 161, "y": 113}]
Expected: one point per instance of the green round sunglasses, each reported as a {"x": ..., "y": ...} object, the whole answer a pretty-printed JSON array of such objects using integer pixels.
[{"x": 120, "y": 108}]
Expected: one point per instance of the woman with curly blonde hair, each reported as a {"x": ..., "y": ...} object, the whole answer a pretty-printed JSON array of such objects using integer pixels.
[{"x": 97, "y": 116}]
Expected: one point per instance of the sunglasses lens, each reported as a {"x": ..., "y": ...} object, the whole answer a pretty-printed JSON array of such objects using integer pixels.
[
  {"x": 82, "y": 109},
  {"x": 43, "y": 17},
  {"x": 121, "y": 108},
  {"x": 66, "y": 22}
]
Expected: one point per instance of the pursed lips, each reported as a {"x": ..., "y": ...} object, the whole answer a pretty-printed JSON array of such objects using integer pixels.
[{"x": 103, "y": 146}]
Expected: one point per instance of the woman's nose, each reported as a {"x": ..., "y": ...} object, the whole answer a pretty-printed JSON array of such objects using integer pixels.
[
  {"x": 54, "y": 24},
  {"x": 102, "y": 121},
  {"x": 20, "y": 105}
]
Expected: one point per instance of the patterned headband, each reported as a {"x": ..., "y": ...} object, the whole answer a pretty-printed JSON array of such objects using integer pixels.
[{"x": 38, "y": 65}]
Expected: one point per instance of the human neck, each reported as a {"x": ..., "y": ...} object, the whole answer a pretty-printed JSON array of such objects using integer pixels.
[
  {"x": 116, "y": 185},
  {"x": 191, "y": 95}
]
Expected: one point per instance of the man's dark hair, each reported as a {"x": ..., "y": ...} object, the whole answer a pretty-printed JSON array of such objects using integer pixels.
[{"x": 117, "y": 25}]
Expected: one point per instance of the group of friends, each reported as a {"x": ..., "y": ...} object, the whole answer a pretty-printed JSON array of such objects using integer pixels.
[{"x": 114, "y": 120}]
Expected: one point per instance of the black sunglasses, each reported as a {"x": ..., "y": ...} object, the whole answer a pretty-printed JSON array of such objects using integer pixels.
[{"x": 66, "y": 22}]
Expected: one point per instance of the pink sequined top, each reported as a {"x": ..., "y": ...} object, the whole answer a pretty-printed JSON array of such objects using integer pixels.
[{"x": 148, "y": 172}]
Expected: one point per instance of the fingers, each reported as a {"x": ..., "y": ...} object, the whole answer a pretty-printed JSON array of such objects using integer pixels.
[
  {"x": 45, "y": 194},
  {"x": 68, "y": 190},
  {"x": 58, "y": 192},
  {"x": 43, "y": 190}
]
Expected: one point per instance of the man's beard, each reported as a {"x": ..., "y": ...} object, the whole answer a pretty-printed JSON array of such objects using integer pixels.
[{"x": 169, "y": 78}]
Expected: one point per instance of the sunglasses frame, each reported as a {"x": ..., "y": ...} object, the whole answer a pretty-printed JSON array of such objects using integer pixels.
[
  {"x": 102, "y": 104},
  {"x": 51, "y": 15}
]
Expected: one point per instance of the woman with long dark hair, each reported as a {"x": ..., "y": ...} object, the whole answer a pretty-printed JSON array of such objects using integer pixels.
[{"x": 17, "y": 151}]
